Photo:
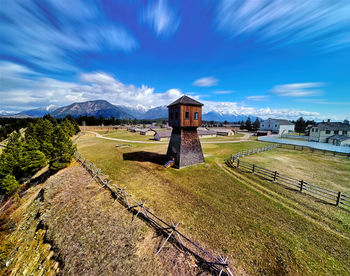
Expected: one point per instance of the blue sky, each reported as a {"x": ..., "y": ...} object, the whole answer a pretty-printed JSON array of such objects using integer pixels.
[{"x": 270, "y": 58}]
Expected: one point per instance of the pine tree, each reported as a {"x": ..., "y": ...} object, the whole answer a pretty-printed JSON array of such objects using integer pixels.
[
  {"x": 63, "y": 149},
  {"x": 10, "y": 157},
  {"x": 8, "y": 185},
  {"x": 43, "y": 133},
  {"x": 256, "y": 124},
  {"x": 248, "y": 124},
  {"x": 300, "y": 125},
  {"x": 242, "y": 126}
]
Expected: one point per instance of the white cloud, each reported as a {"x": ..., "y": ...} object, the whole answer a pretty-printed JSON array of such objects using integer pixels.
[
  {"x": 207, "y": 81},
  {"x": 24, "y": 89},
  {"x": 163, "y": 19},
  {"x": 222, "y": 92},
  {"x": 323, "y": 23},
  {"x": 234, "y": 108},
  {"x": 74, "y": 28},
  {"x": 298, "y": 89},
  {"x": 257, "y": 98}
]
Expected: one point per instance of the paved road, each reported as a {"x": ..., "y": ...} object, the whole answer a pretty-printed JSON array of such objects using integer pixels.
[{"x": 243, "y": 139}]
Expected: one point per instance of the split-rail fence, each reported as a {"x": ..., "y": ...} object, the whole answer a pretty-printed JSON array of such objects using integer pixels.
[
  {"x": 334, "y": 197},
  {"x": 217, "y": 264}
]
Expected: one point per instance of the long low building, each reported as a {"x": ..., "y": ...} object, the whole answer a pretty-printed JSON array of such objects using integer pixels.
[
  {"x": 165, "y": 135},
  {"x": 224, "y": 132},
  {"x": 339, "y": 140},
  {"x": 325, "y": 130}
]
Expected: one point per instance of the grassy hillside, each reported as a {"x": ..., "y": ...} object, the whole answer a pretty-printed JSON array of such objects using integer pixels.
[
  {"x": 263, "y": 232},
  {"x": 71, "y": 226},
  {"x": 332, "y": 172}
]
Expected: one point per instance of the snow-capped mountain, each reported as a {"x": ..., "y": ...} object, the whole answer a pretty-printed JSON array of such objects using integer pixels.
[
  {"x": 211, "y": 112},
  {"x": 39, "y": 112}
]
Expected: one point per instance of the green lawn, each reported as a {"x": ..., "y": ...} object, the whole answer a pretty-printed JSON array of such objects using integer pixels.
[
  {"x": 262, "y": 230},
  {"x": 135, "y": 136},
  {"x": 332, "y": 172}
]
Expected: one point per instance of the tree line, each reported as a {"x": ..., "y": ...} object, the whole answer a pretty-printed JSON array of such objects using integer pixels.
[
  {"x": 46, "y": 141},
  {"x": 94, "y": 121}
]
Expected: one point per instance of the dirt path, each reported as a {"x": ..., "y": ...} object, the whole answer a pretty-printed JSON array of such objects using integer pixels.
[{"x": 245, "y": 138}]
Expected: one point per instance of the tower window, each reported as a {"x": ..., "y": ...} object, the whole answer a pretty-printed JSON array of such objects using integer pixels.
[
  {"x": 187, "y": 115},
  {"x": 196, "y": 115}
]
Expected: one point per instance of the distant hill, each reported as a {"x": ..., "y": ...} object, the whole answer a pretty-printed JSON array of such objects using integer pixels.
[
  {"x": 39, "y": 112},
  {"x": 92, "y": 108},
  {"x": 103, "y": 108},
  {"x": 220, "y": 117}
]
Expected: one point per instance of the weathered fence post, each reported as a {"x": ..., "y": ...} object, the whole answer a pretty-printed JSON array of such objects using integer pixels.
[
  {"x": 338, "y": 199},
  {"x": 301, "y": 185},
  {"x": 237, "y": 162},
  {"x": 253, "y": 169},
  {"x": 275, "y": 176}
]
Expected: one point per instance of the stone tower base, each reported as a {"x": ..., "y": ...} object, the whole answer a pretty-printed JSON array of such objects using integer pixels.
[{"x": 185, "y": 147}]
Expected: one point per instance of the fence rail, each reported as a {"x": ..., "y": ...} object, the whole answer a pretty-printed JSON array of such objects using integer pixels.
[
  {"x": 337, "y": 198},
  {"x": 253, "y": 151},
  {"x": 218, "y": 264}
]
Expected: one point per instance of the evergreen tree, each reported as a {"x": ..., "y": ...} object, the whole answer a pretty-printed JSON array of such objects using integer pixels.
[
  {"x": 8, "y": 185},
  {"x": 10, "y": 157},
  {"x": 256, "y": 124},
  {"x": 43, "y": 133},
  {"x": 63, "y": 149},
  {"x": 248, "y": 124},
  {"x": 242, "y": 125},
  {"x": 300, "y": 125}
]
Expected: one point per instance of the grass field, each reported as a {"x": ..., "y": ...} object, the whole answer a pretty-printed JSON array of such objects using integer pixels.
[
  {"x": 332, "y": 172},
  {"x": 262, "y": 227},
  {"x": 135, "y": 136}
]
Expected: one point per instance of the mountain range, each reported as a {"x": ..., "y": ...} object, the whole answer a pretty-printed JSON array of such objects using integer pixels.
[{"x": 103, "y": 108}]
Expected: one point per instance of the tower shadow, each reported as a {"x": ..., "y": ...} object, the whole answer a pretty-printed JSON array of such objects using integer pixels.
[{"x": 145, "y": 156}]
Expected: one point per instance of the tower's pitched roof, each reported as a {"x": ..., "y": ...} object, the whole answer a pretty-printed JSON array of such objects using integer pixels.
[{"x": 185, "y": 100}]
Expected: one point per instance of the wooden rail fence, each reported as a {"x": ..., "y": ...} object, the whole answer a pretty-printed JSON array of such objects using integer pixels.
[
  {"x": 336, "y": 198},
  {"x": 218, "y": 264},
  {"x": 253, "y": 151}
]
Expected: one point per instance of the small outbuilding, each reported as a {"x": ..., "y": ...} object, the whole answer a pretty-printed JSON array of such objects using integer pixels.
[
  {"x": 162, "y": 135},
  {"x": 339, "y": 140},
  {"x": 146, "y": 131},
  {"x": 224, "y": 132}
]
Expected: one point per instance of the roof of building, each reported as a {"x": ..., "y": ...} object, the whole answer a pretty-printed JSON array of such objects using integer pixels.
[
  {"x": 205, "y": 132},
  {"x": 185, "y": 100},
  {"x": 339, "y": 137},
  {"x": 163, "y": 134},
  {"x": 145, "y": 129},
  {"x": 225, "y": 130},
  {"x": 282, "y": 121},
  {"x": 333, "y": 126}
]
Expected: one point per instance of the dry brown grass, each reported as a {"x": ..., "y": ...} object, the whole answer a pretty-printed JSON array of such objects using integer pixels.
[{"x": 96, "y": 237}]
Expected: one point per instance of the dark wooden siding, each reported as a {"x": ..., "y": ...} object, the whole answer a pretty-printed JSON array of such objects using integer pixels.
[
  {"x": 191, "y": 121},
  {"x": 181, "y": 120}
]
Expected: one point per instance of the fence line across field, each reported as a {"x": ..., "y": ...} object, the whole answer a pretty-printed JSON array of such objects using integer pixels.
[
  {"x": 169, "y": 230},
  {"x": 337, "y": 198}
]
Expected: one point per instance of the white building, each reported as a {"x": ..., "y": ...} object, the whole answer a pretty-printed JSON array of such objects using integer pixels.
[
  {"x": 322, "y": 132},
  {"x": 277, "y": 126}
]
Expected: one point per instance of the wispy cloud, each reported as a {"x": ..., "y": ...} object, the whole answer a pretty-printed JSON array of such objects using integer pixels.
[
  {"x": 207, "y": 81},
  {"x": 24, "y": 89},
  {"x": 222, "y": 92},
  {"x": 161, "y": 17},
  {"x": 323, "y": 23},
  {"x": 257, "y": 98},
  {"x": 298, "y": 89},
  {"x": 50, "y": 34},
  {"x": 235, "y": 108}
]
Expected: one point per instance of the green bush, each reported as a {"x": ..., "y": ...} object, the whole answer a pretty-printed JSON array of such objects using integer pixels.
[{"x": 9, "y": 185}]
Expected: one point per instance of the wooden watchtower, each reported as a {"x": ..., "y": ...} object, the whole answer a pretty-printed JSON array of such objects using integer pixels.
[{"x": 185, "y": 115}]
